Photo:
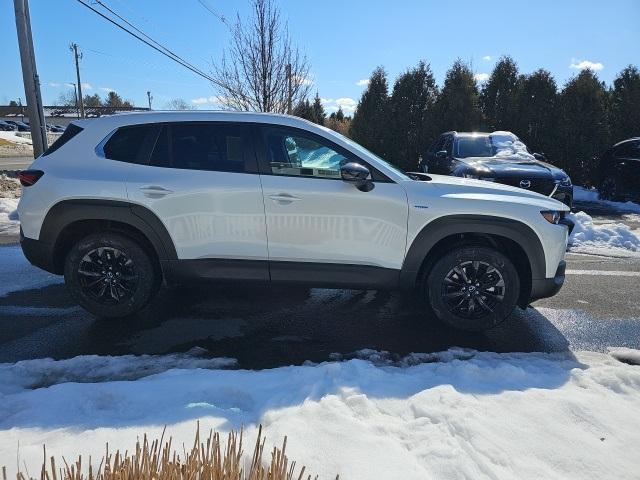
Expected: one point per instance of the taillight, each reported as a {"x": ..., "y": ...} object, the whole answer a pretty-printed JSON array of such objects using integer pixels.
[{"x": 29, "y": 177}]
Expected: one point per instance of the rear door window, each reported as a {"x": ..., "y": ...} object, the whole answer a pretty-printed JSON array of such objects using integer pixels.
[
  {"x": 205, "y": 146},
  {"x": 131, "y": 144}
]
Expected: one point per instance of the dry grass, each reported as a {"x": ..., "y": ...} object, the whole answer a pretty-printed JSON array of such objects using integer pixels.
[{"x": 206, "y": 460}]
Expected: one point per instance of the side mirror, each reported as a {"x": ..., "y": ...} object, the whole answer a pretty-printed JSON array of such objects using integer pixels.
[
  {"x": 540, "y": 156},
  {"x": 441, "y": 155},
  {"x": 357, "y": 175}
]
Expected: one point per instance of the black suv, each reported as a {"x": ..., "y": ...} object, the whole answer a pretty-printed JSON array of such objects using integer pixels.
[
  {"x": 619, "y": 171},
  {"x": 496, "y": 157}
]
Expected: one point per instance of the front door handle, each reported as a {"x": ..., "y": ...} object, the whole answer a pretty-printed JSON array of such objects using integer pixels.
[
  {"x": 283, "y": 198},
  {"x": 155, "y": 191}
]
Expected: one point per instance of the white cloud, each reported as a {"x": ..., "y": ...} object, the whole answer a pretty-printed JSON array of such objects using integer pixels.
[
  {"x": 107, "y": 89},
  {"x": 481, "y": 77},
  {"x": 347, "y": 104},
  {"x": 363, "y": 82},
  {"x": 212, "y": 100},
  {"x": 585, "y": 64},
  {"x": 487, "y": 58},
  {"x": 55, "y": 84},
  {"x": 86, "y": 86}
]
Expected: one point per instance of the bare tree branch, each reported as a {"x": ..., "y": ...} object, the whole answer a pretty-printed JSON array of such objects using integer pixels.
[{"x": 252, "y": 75}]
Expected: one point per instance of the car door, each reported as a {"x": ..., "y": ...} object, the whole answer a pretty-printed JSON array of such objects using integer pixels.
[
  {"x": 201, "y": 181},
  {"x": 320, "y": 228}
]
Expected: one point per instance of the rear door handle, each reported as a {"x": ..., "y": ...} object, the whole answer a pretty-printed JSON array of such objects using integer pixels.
[
  {"x": 283, "y": 198},
  {"x": 155, "y": 191}
]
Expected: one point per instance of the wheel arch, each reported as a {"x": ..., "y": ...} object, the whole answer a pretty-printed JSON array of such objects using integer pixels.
[
  {"x": 70, "y": 219},
  {"x": 513, "y": 238}
]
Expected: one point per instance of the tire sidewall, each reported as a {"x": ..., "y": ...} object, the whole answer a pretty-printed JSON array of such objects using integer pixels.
[
  {"x": 432, "y": 287},
  {"x": 147, "y": 283}
]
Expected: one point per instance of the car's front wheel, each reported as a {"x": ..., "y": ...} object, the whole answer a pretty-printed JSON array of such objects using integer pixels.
[
  {"x": 472, "y": 288},
  {"x": 110, "y": 275}
]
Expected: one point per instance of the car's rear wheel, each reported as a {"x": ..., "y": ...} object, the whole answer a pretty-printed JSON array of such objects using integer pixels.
[
  {"x": 472, "y": 288},
  {"x": 110, "y": 275},
  {"x": 610, "y": 188}
]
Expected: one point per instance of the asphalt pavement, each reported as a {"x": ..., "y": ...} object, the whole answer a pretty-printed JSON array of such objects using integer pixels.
[
  {"x": 267, "y": 326},
  {"x": 15, "y": 163}
]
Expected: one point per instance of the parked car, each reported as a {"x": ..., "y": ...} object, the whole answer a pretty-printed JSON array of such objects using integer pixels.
[
  {"x": 21, "y": 126},
  {"x": 7, "y": 127},
  {"x": 499, "y": 157},
  {"x": 619, "y": 171},
  {"x": 125, "y": 203},
  {"x": 56, "y": 128}
]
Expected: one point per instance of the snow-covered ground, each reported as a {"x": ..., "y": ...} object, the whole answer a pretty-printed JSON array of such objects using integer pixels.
[
  {"x": 9, "y": 223},
  {"x": 460, "y": 414},
  {"x": 602, "y": 239},
  {"x": 14, "y": 137},
  {"x": 590, "y": 195}
]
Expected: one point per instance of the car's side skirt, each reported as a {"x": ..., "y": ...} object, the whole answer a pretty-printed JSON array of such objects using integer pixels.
[{"x": 328, "y": 275}]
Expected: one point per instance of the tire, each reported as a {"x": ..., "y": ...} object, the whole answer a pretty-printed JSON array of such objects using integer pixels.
[
  {"x": 610, "y": 188},
  {"x": 110, "y": 275},
  {"x": 453, "y": 288}
]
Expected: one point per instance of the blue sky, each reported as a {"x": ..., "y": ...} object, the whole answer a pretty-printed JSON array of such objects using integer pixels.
[{"x": 344, "y": 41}]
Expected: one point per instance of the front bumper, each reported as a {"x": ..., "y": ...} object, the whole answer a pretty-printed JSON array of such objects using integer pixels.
[{"x": 548, "y": 287}]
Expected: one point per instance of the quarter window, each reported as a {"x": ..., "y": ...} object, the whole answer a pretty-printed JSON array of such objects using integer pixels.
[{"x": 300, "y": 155}]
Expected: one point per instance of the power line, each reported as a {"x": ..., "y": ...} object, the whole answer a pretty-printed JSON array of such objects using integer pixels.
[
  {"x": 160, "y": 48},
  {"x": 219, "y": 16}
]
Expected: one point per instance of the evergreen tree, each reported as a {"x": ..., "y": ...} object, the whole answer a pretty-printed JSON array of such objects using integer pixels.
[
  {"x": 370, "y": 120},
  {"x": 13, "y": 103},
  {"x": 339, "y": 115},
  {"x": 583, "y": 125},
  {"x": 537, "y": 104},
  {"x": 499, "y": 96},
  {"x": 411, "y": 111},
  {"x": 319, "y": 114},
  {"x": 91, "y": 101},
  {"x": 625, "y": 104},
  {"x": 457, "y": 106},
  {"x": 304, "y": 110}
]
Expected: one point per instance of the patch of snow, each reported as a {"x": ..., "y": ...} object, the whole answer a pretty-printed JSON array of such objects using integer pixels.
[
  {"x": 14, "y": 137},
  {"x": 626, "y": 355},
  {"x": 9, "y": 223},
  {"x": 508, "y": 145},
  {"x": 603, "y": 239},
  {"x": 500, "y": 416},
  {"x": 16, "y": 273},
  {"x": 591, "y": 195}
]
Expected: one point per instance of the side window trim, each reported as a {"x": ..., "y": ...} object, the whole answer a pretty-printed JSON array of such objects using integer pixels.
[
  {"x": 265, "y": 168},
  {"x": 100, "y": 147}
]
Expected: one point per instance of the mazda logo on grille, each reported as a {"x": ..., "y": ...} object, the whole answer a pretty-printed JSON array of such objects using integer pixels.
[{"x": 525, "y": 183}]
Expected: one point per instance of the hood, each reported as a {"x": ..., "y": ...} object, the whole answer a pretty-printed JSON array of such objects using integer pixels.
[
  {"x": 515, "y": 165},
  {"x": 469, "y": 189}
]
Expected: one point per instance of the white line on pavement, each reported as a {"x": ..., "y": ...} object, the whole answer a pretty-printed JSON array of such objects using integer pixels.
[{"x": 611, "y": 273}]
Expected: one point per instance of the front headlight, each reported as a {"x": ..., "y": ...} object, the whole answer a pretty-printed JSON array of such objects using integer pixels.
[
  {"x": 564, "y": 181},
  {"x": 551, "y": 216}
]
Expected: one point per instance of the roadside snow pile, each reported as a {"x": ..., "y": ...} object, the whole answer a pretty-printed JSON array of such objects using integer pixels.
[
  {"x": 480, "y": 415},
  {"x": 590, "y": 195},
  {"x": 9, "y": 224},
  {"x": 604, "y": 239},
  {"x": 13, "y": 137}
]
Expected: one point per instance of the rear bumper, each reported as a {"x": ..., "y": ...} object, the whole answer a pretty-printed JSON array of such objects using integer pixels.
[
  {"x": 548, "y": 287},
  {"x": 39, "y": 254}
]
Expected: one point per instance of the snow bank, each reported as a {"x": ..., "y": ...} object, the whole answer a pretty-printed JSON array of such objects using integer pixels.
[
  {"x": 486, "y": 416},
  {"x": 590, "y": 195},
  {"x": 9, "y": 224},
  {"x": 608, "y": 238},
  {"x": 13, "y": 137}
]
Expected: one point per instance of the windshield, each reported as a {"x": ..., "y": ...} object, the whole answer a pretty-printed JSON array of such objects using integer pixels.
[
  {"x": 361, "y": 149},
  {"x": 497, "y": 144}
]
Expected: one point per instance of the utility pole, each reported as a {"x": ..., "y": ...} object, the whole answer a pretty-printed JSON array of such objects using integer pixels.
[
  {"x": 149, "y": 98},
  {"x": 74, "y": 48},
  {"x": 75, "y": 96},
  {"x": 30, "y": 77},
  {"x": 289, "y": 89}
]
